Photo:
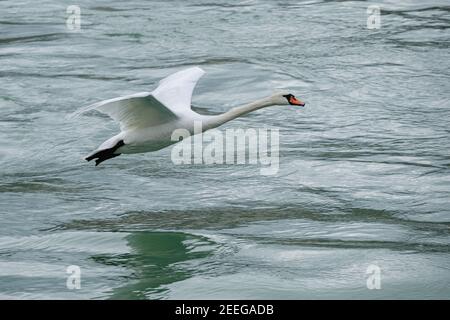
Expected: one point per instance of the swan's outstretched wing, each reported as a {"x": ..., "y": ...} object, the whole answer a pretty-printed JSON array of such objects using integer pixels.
[
  {"x": 138, "y": 110},
  {"x": 169, "y": 101},
  {"x": 175, "y": 91}
]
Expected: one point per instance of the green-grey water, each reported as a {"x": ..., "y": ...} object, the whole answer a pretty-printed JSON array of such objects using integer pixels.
[{"x": 364, "y": 177}]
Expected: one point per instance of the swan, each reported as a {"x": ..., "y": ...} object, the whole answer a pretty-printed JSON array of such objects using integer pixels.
[{"x": 147, "y": 119}]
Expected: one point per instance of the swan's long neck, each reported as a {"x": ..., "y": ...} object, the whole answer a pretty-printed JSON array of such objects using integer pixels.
[{"x": 236, "y": 112}]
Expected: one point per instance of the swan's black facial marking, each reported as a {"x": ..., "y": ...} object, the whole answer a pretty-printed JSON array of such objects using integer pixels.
[
  {"x": 293, "y": 100},
  {"x": 288, "y": 96}
]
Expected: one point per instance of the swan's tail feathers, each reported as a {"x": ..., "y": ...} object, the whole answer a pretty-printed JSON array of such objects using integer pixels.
[{"x": 105, "y": 154}]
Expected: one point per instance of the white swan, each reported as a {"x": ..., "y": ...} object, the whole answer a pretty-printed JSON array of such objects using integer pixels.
[{"x": 147, "y": 119}]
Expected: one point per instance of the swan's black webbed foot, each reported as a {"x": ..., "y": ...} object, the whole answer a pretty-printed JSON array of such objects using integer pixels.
[{"x": 106, "y": 154}]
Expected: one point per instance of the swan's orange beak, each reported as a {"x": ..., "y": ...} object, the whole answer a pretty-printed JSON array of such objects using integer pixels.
[{"x": 294, "y": 101}]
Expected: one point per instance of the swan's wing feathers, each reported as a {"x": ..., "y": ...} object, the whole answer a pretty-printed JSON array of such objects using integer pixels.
[
  {"x": 175, "y": 91},
  {"x": 138, "y": 110},
  {"x": 169, "y": 101}
]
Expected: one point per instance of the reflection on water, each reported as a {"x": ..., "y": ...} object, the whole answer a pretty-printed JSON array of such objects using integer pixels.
[
  {"x": 364, "y": 168},
  {"x": 155, "y": 259}
]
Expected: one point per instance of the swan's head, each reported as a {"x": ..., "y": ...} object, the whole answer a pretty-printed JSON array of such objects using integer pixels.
[{"x": 286, "y": 98}]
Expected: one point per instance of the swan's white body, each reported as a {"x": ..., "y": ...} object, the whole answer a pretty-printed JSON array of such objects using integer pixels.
[{"x": 148, "y": 119}]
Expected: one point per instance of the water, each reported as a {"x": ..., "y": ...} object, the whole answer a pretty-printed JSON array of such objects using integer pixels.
[{"x": 364, "y": 178}]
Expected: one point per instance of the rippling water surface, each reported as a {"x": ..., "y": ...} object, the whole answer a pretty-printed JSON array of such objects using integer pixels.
[{"x": 364, "y": 174}]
